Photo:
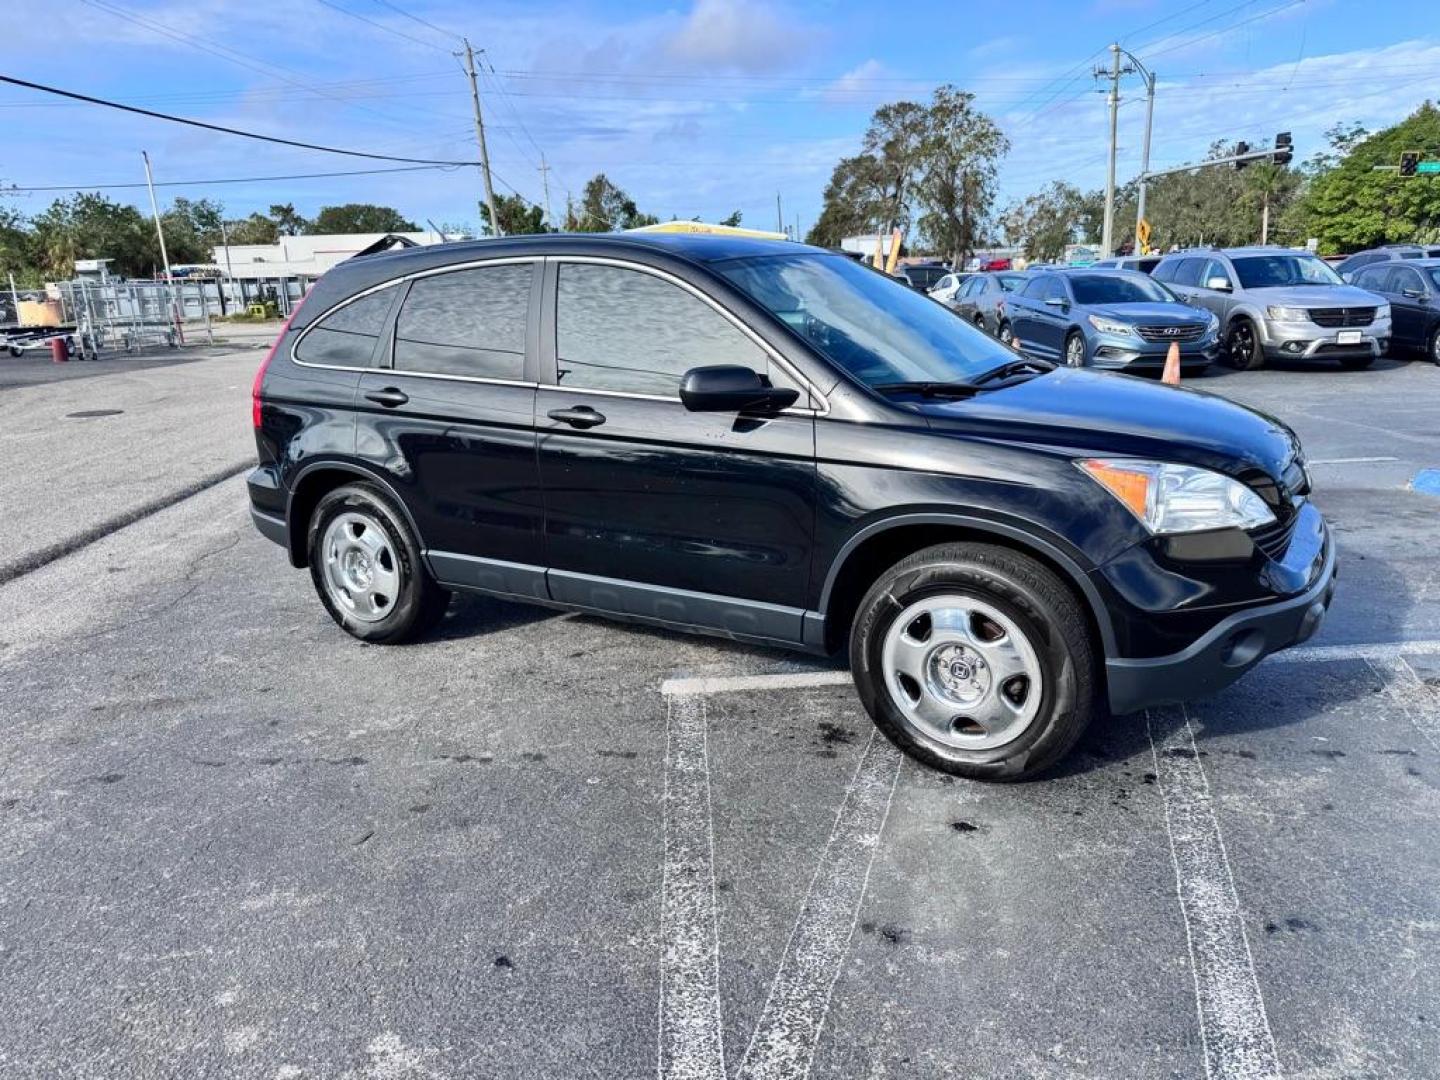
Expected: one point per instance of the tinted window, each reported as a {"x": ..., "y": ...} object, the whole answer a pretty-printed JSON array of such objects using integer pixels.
[
  {"x": 469, "y": 322},
  {"x": 1270, "y": 271},
  {"x": 1165, "y": 271},
  {"x": 1010, "y": 282},
  {"x": 346, "y": 337},
  {"x": 1410, "y": 254},
  {"x": 1372, "y": 277},
  {"x": 1188, "y": 272},
  {"x": 1108, "y": 289},
  {"x": 1355, "y": 262},
  {"x": 1405, "y": 277},
  {"x": 1435, "y": 275},
  {"x": 1038, "y": 288},
  {"x": 1146, "y": 266},
  {"x": 876, "y": 330},
  {"x": 1213, "y": 268},
  {"x": 623, "y": 330}
]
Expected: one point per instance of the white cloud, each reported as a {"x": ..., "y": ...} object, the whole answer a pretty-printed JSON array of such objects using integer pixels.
[
  {"x": 738, "y": 35},
  {"x": 989, "y": 50}
]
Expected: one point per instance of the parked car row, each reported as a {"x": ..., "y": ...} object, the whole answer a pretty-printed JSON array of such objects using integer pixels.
[{"x": 1241, "y": 305}]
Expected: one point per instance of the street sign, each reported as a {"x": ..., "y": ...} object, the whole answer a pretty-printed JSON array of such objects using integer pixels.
[
  {"x": 1423, "y": 167},
  {"x": 1142, "y": 234}
]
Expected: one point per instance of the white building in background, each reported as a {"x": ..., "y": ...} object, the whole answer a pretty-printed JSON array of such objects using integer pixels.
[
  {"x": 865, "y": 245},
  {"x": 304, "y": 258}
]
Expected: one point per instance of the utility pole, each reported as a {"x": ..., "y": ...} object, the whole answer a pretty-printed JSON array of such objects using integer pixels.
[
  {"x": 779, "y": 217},
  {"x": 545, "y": 181},
  {"x": 229, "y": 273},
  {"x": 1108, "y": 236},
  {"x": 164, "y": 257},
  {"x": 480, "y": 137},
  {"x": 1145, "y": 153}
]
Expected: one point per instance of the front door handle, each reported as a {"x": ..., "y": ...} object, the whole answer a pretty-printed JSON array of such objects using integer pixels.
[
  {"x": 580, "y": 416},
  {"x": 390, "y": 397}
]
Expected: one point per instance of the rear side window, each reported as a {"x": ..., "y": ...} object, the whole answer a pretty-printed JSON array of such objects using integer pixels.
[
  {"x": 1037, "y": 288},
  {"x": 632, "y": 332},
  {"x": 1188, "y": 272},
  {"x": 346, "y": 337},
  {"x": 469, "y": 323},
  {"x": 1373, "y": 278}
]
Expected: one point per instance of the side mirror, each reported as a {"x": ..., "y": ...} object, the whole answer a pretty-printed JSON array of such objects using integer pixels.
[
  {"x": 732, "y": 388},
  {"x": 1415, "y": 294},
  {"x": 1057, "y": 301},
  {"x": 1219, "y": 284}
]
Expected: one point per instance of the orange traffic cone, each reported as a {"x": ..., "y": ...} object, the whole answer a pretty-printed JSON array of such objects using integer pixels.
[{"x": 1172, "y": 365}]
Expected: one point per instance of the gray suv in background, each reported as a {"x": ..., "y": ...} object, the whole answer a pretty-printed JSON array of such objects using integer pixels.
[{"x": 1275, "y": 303}]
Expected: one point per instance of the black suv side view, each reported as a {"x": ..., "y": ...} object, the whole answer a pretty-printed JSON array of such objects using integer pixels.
[{"x": 772, "y": 443}]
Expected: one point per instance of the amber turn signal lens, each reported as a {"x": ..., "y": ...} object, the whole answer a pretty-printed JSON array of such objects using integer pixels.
[{"x": 1130, "y": 486}]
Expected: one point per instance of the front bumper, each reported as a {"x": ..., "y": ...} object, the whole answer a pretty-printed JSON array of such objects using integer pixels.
[
  {"x": 1111, "y": 353},
  {"x": 1226, "y": 651},
  {"x": 1308, "y": 341}
]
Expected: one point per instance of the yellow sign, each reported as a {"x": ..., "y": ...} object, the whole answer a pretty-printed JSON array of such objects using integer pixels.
[{"x": 1142, "y": 236}]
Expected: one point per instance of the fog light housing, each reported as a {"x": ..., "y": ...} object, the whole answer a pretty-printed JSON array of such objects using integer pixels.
[{"x": 1294, "y": 346}]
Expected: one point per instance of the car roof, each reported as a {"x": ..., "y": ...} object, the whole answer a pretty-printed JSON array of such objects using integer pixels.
[{"x": 357, "y": 274}]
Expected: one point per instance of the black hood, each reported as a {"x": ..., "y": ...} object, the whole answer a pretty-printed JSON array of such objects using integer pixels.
[{"x": 1123, "y": 416}]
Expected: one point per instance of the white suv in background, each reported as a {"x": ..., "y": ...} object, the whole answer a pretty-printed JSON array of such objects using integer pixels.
[{"x": 1276, "y": 303}]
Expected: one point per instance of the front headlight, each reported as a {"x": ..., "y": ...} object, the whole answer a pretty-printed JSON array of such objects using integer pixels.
[
  {"x": 1170, "y": 498},
  {"x": 1382, "y": 312},
  {"x": 1288, "y": 314},
  {"x": 1109, "y": 326}
]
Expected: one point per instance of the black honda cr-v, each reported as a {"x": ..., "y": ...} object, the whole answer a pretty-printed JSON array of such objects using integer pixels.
[{"x": 773, "y": 443}]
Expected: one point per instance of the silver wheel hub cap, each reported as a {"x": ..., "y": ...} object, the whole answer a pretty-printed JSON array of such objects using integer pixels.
[
  {"x": 962, "y": 673},
  {"x": 361, "y": 572}
]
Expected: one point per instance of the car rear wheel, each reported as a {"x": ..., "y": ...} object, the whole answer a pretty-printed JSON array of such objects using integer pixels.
[
  {"x": 975, "y": 660},
  {"x": 1075, "y": 349},
  {"x": 1242, "y": 345},
  {"x": 1435, "y": 346},
  {"x": 366, "y": 566},
  {"x": 1006, "y": 335}
]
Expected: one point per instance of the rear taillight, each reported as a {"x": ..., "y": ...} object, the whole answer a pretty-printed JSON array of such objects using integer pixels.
[{"x": 255, "y": 404}]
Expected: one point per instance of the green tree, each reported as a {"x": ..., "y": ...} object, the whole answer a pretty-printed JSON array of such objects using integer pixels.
[
  {"x": 290, "y": 223},
  {"x": 255, "y": 229},
  {"x": 959, "y": 159},
  {"x": 1352, "y": 206},
  {"x": 516, "y": 216},
  {"x": 17, "y": 249},
  {"x": 357, "y": 218},
  {"x": 90, "y": 226},
  {"x": 855, "y": 202},
  {"x": 733, "y": 221},
  {"x": 604, "y": 207},
  {"x": 192, "y": 230}
]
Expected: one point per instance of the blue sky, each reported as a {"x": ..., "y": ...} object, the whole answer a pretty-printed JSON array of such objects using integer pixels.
[{"x": 694, "y": 107}]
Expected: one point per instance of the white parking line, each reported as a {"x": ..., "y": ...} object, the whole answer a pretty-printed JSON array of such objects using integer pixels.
[
  {"x": 1388, "y": 650},
  {"x": 724, "y": 684},
  {"x": 691, "y": 1043},
  {"x": 1415, "y": 699},
  {"x": 783, "y": 1046},
  {"x": 1352, "y": 460},
  {"x": 1234, "y": 1028}
]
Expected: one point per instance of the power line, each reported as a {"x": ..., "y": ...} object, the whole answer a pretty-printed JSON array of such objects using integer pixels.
[
  {"x": 380, "y": 25},
  {"x": 416, "y": 19},
  {"x": 14, "y": 188},
  {"x": 221, "y": 128}
]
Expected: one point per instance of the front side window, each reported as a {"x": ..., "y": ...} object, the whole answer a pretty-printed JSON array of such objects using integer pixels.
[
  {"x": 1435, "y": 275},
  {"x": 1279, "y": 270},
  {"x": 1211, "y": 270},
  {"x": 1106, "y": 289},
  {"x": 346, "y": 337},
  {"x": 1037, "y": 289},
  {"x": 1374, "y": 278},
  {"x": 1188, "y": 272},
  {"x": 1010, "y": 282},
  {"x": 469, "y": 323},
  {"x": 874, "y": 329},
  {"x": 1406, "y": 278},
  {"x": 632, "y": 332}
]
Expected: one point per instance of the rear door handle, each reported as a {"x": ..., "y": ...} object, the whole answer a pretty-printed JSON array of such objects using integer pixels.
[
  {"x": 390, "y": 397},
  {"x": 580, "y": 416}
]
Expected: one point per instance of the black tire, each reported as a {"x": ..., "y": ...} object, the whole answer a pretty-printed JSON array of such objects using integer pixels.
[
  {"x": 1004, "y": 333},
  {"x": 1356, "y": 363},
  {"x": 980, "y": 322},
  {"x": 1242, "y": 346},
  {"x": 1070, "y": 339},
  {"x": 1042, "y": 608},
  {"x": 420, "y": 603},
  {"x": 1434, "y": 347}
]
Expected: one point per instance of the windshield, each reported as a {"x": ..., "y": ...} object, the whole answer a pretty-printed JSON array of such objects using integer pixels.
[
  {"x": 1435, "y": 276},
  {"x": 1092, "y": 289},
  {"x": 1011, "y": 282},
  {"x": 1271, "y": 271},
  {"x": 875, "y": 329}
]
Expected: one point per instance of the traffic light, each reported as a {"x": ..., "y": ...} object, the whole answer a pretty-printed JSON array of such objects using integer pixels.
[
  {"x": 1240, "y": 149},
  {"x": 1409, "y": 162},
  {"x": 1284, "y": 149}
]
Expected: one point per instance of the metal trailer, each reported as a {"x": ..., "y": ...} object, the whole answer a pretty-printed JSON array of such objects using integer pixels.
[
  {"x": 20, "y": 340},
  {"x": 133, "y": 315}
]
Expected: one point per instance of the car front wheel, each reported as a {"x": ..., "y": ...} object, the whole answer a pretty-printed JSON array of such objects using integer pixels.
[
  {"x": 975, "y": 660},
  {"x": 1242, "y": 345},
  {"x": 1075, "y": 349},
  {"x": 366, "y": 566},
  {"x": 1435, "y": 346}
]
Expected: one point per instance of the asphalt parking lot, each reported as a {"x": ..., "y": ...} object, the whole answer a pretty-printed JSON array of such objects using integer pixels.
[{"x": 234, "y": 841}]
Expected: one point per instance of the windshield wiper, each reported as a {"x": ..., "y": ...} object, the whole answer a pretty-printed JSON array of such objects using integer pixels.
[
  {"x": 1014, "y": 367},
  {"x": 928, "y": 389}
]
